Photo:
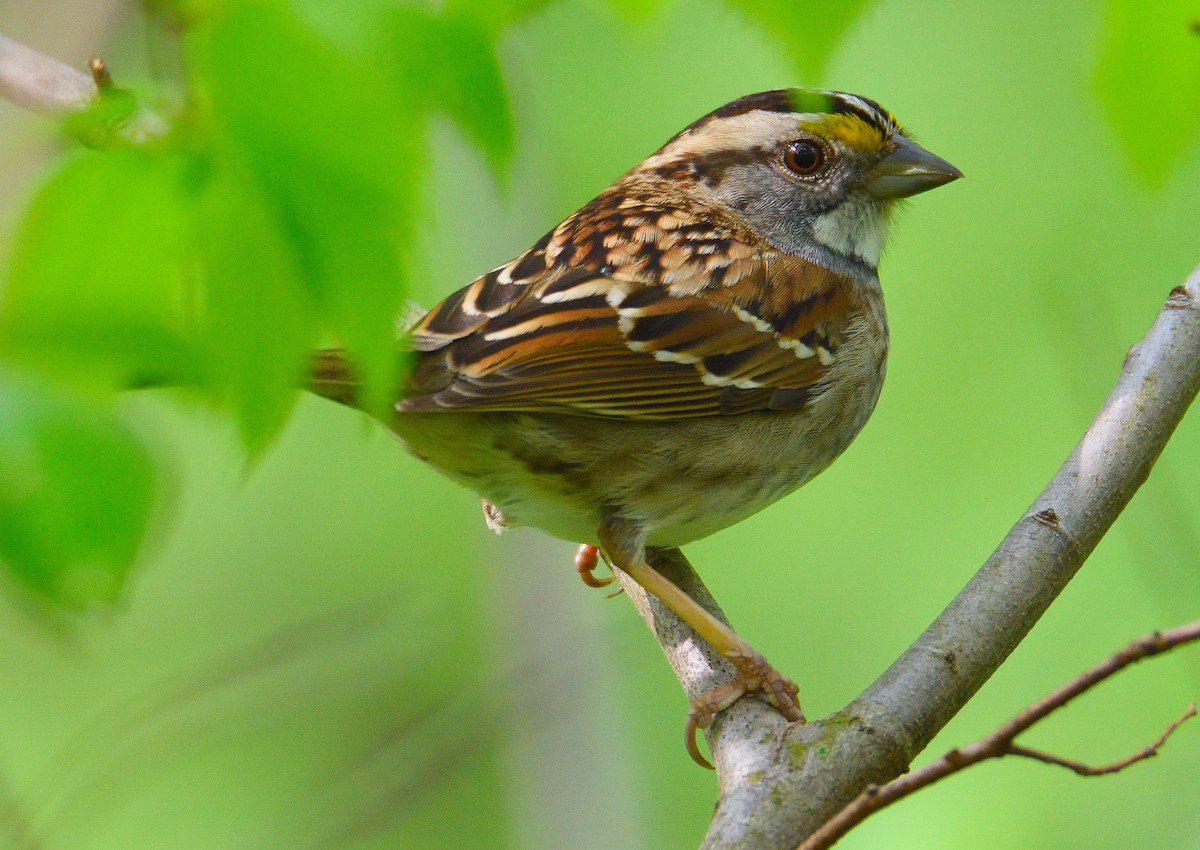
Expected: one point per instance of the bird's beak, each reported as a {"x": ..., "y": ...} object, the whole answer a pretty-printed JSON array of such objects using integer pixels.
[{"x": 909, "y": 170}]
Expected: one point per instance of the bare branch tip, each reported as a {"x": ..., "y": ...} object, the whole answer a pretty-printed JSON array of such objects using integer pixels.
[
  {"x": 100, "y": 74},
  {"x": 1083, "y": 769}
]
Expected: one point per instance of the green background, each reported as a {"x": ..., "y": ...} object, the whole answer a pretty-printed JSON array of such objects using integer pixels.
[{"x": 323, "y": 647}]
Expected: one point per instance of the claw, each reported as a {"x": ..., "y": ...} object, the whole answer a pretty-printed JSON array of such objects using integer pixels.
[
  {"x": 754, "y": 674},
  {"x": 689, "y": 739},
  {"x": 587, "y": 558}
]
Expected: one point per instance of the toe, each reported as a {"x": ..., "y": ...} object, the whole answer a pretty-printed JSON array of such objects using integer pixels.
[{"x": 587, "y": 558}]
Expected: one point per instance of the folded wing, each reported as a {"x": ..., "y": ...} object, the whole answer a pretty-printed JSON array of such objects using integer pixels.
[{"x": 653, "y": 316}]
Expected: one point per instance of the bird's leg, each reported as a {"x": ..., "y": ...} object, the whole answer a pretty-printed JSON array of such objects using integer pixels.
[
  {"x": 754, "y": 673},
  {"x": 587, "y": 558}
]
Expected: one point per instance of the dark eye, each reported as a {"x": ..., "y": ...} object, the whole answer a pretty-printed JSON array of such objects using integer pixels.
[{"x": 803, "y": 157}]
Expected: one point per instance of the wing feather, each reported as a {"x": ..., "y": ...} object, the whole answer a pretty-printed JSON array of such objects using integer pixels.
[{"x": 594, "y": 320}]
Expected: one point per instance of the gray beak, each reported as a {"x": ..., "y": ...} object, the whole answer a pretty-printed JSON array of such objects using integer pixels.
[{"x": 909, "y": 170}]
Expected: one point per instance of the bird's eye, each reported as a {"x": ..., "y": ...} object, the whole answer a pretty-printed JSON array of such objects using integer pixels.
[{"x": 803, "y": 157}]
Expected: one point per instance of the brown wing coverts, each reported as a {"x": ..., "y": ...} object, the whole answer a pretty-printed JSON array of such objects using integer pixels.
[{"x": 632, "y": 308}]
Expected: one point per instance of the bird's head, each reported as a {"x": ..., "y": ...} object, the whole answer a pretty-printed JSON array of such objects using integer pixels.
[{"x": 814, "y": 172}]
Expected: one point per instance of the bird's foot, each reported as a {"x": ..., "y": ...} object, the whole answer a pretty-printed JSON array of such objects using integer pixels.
[
  {"x": 754, "y": 674},
  {"x": 587, "y": 558}
]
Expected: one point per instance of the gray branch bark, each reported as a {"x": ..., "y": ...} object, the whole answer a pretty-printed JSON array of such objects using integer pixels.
[
  {"x": 779, "y": 783},
  {"x": 41, "y": 84}
]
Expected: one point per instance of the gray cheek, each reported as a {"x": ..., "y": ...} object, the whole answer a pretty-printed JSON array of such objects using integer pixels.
[
  {"x": 770, "y": 201},
  {"x": 784, "y": 212}
]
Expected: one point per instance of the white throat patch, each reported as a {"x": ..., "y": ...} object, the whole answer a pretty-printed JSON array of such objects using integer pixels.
[{"x": 855, "y": 227}]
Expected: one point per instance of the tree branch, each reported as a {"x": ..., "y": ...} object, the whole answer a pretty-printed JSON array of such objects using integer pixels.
[
  {"x": 1001, "y": 742},
  {"x": 42, "y": 84},
  {"x": 780, "y": 784}
]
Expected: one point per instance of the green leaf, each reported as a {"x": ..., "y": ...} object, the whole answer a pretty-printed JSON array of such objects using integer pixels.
[
  {"x": 76, "y": 493},
  {"x": 449, "y": 62},
  {"x": 95, "y": 289},
  {"x": 146, "y": 267},
  {"x": 498, "y": 14},
  {"x": 98, "y": 125},
  {"x": 635, "y": 10},
  {"x": 809, "y": 31},
  {"x": 335, "y": 151},
  {"x": 280, "y": 209},
  {"x": 1148, "y": 82},
  {"x": 260, "y": 321}
]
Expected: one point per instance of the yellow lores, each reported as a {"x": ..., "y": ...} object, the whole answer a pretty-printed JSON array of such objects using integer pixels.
[
  {"x": 698, "y": 341},
  {"x": 852, "y": 130}
]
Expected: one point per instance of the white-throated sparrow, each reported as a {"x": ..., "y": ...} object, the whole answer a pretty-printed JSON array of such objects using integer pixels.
[{"x": 701, "y": 339}]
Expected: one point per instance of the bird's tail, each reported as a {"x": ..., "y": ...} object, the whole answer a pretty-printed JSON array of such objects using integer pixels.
[
  {"x": 330, "y": 374},
  {"x": 332, "y": 377}
]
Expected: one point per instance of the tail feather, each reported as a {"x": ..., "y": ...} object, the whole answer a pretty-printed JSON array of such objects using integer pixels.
[{"x": 332, "y": 377}]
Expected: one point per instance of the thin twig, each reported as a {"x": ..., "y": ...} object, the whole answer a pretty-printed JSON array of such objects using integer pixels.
[
  {"x": 1001, "y": 742},
  {"x": 1113, "y": 767},
  {"x": 101, "y": 76},
  {"x": 42, "y": 84}
]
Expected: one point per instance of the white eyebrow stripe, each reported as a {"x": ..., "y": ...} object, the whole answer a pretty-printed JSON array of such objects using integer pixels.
[{"x": 725, "y": 133}]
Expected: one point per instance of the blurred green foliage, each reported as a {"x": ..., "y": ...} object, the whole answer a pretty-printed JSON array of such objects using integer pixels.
[
  {"x": 330, "y": 159},
  {"x": 1148, "y": 78},
  {"x": 76, "y": 493},
  {"x": 277, "y": 213},
  {"x": 810, "y": 33}
]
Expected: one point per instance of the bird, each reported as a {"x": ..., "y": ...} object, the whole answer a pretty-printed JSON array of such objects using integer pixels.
[{"x": 698, "y": 341}]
